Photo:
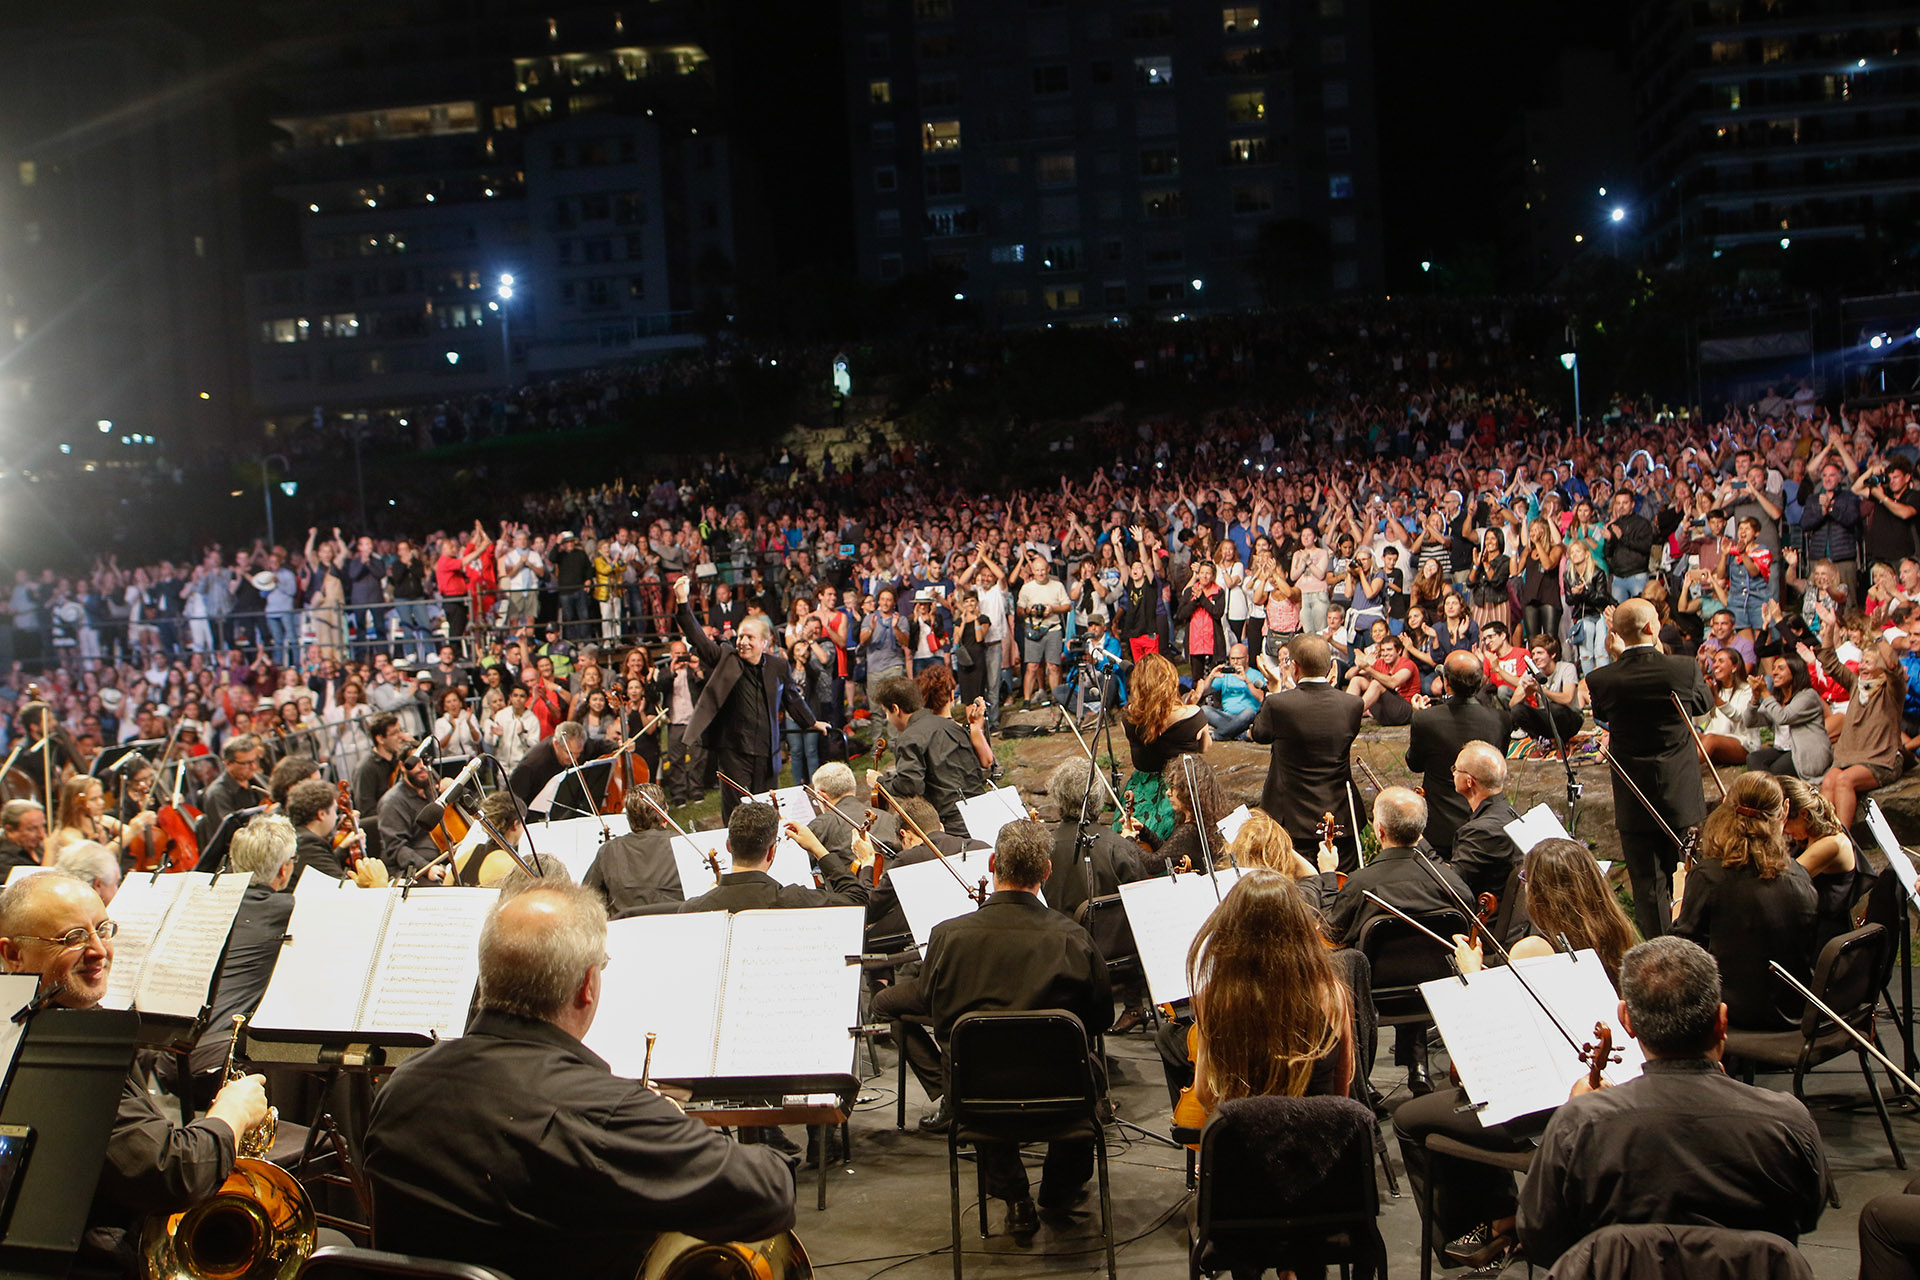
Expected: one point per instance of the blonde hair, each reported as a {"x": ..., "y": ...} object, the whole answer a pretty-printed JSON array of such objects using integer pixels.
[
  {"x": 1261, "y": 842},
  {"x": 1746, "y": 829}
]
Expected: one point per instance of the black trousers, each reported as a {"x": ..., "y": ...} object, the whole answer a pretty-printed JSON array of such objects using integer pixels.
[
  {"x": 753, "y": 770},
  {"x": 1541, "y": 722},
  {"x": 1066, "y": 1169},
  {"x": 1890, "y": 1236},
  {"x": 1466, "y": 1194},
  {"x": 688, "y": 760},
  {"x": 1775, "y": 761},
  {"x": 1650, "y": 859}
]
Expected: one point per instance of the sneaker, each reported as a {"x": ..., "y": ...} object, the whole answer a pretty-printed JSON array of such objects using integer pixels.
[{"x": 1471, "y": 1243}]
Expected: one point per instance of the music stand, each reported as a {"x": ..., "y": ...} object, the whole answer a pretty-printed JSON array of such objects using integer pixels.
[
  {"x": 107, "y": 757},
  {"x": 67, "y": 1085},
  {"x": 215, "y": 854}
]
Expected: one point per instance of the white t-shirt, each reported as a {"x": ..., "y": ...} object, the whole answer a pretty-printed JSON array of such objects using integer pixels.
[
  {"x": 993, "y": 609},
  {"x": 1050, "y": 594}
]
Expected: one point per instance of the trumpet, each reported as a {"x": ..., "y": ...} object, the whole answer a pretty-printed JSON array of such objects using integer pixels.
[{"x": 258, "y": 1226}]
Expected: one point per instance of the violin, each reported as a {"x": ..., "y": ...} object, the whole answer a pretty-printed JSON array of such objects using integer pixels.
[
  {"x": 980, "y": 892},
  {"x": 451, "y": 829},
  {"x": 1487, "y": 907},
  {"x": 879, "y": 859},
  {"x": 1330, "y": 831},
  {"x": 346, "y": 826},
  {"x": 1599, "y": 1054},
  {"x": 170, "y": 844},
  {"x": 713, "y": 865},
  {"x": 1128, "y": 822},
  {"x": 1188, "y": 1113}
]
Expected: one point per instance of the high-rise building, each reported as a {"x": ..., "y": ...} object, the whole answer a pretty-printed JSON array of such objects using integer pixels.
[
  {"x": 1769, "y": 123},
  {"x": 488, "y": 192},
  {"x": 120, "y": 250},
  {"x": 1566, "y": 165},
  {"x": 1075, "y": 161}
]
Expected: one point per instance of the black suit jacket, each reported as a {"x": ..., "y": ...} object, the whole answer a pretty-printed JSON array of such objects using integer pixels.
[
  {"x": 636, "y": 870},
  {"x": 542, "y": 764},
  {"x": 757, "y": 891},
  {"x": 727, "y": 668},
  {"x": 1633, "y": 697},
  {"x": 1116, "y": 861},
  {"x": 1396, "y": 876},
  {"x": 1483, "y": 853},
  {"x": 252, "y": 949},
  {"x": 933, "y": 757},
  {"x": 1433, "y": 744},
  {"x": 1312, "y": 729}
]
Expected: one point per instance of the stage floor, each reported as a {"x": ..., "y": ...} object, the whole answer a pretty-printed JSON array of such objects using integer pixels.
[{"x": 888, "y": 1211}]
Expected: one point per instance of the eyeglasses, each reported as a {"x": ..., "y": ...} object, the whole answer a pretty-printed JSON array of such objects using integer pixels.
[{"x": 74, "y": 937}]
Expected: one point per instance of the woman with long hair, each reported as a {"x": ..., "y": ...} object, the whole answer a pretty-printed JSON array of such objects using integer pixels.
[
  {"x": 1201, "y": 610},
  {"x": 1160, "y": 727},
  {"x": 83, "y": 816},
  {"x": 455, "y": 729},
  {"x": 1198, "y": 801},
  {"x": 1565, "y": 896},
  {"x": 1272, "y": 1015},
  {"x": 1538, "y": 568},
  {"x": 1786, "y": 700},
  {"x": 1868, "y": 752},
  {"x": 1828, "y": 857},
  {"x": 1588, "y": 594},
  {"x": 1487, "y": 581},
  {"x": 1748, "y": 903},
  {"x": 1725, "y": 732},
  {"x": 1429, "y": 588},
  {"x": 1309, "y": 568}
]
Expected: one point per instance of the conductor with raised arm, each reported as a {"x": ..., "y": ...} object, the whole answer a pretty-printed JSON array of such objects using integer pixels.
[
  {"x": 737, "y": 718},
  {"x": 1649, "y": 741}
]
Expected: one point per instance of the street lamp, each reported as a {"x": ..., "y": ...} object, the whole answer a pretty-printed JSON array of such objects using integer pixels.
[
  {"x": 505, "y": 294},
  {"x": 1570, "y": 360}
]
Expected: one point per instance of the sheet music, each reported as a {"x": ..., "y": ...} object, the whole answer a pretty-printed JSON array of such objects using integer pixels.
[
  {"x": 791, "y": 864},
  {"x": 1508, "y": 1052},
  {"x": 1165, "y": 914},
  {"x": 574, "y": 842},
  {"x": 664, "y": 977},
  {"x": 322, "y": 968},
  {"x": 17, "y": 990},
  {"x": 790, "y": 994},
  {"x": 1896, "y": 856},
  {"x": 1230, "y": 825},
  {"x": 180, "y": 970},
  {"x": 689, "y": 857},
  {"x": 140, "y": 908},
  {"x": 792, "y": 803},
  {"x": 984, "y": 815},
  {"x": 18, "y": 874},
  {"x": 1533, "y": 826},
  {"x": 929, "y": 894},
  {"x": 429, "y": 963}
]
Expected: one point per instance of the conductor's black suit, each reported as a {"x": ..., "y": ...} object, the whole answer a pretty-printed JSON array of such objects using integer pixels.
[{"x": 1312, "y": 728}]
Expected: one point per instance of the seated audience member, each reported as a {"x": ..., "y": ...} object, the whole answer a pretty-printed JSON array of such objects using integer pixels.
[
  {"x": 601, "y": 1166},
  {"x": 1385, "y": 685},
  {"x": 1685, "y": 1143},
  {"x": 1867, "y": 753},
  {"x": 1786, "y": 700},
  {"x": 1242, "y": 688},
  {"x": 1547, "y": 705},
  {"x": 1725, "y": 732}
]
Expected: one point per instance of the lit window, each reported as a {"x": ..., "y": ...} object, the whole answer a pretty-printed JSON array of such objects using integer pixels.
[
  {"x": 940, "y": 135},
  {"x": 1242, "y": 107},
  {"x": 1004, "y": 254},
  {"x": 1162, "y": 204},
  {"x": 1246, "y": 151},
  {"x": 1065, "y": 297},
  {"x": 1061, "y": 255},
  {"x": 1238, "y": 20},
  {"x": 880, "y": 92},
  {"x": 1153, "y": 73},
  {"x": 507, "y": 117},
  {"x": 1340, "y": 186}
]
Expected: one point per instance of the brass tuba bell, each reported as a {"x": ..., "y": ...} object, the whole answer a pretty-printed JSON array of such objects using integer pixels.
[
  {"x": 258, "y": 1226},
  {"x": 677, "y": 1257}
]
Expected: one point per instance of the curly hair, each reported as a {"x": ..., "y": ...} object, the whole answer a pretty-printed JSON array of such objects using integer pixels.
[
  {"x": 1154, "y": 698},
  {"x": 1805, "y": 802},
  {"x": 1745, "y": 831}
]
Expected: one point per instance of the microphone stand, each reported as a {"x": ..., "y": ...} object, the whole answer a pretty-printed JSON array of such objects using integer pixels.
[
  {"x": 576, "y": 769},
  {"x": 1560, "y": 740},
  {"x": 1200, "y": 824},
  {"x": 1093, "y": 766}
]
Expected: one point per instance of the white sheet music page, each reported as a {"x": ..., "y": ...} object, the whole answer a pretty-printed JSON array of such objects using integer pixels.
[
  {"x": 429, "y": 963},
  {"x": 1533, "y": 826},
  {"x": 179, "y": 973},
  {"x": 690, "y": 858},
  {"x": 1165, "y": 915},
  {"x": 930, "y": 893},
  {"x": 984, "y": 815},
  {"x": 17, "y": 991},
  {"x": 1229, "y": 826},
  {"x": 1508, "y": 1052},
  {"x": 574, "y": 842},
  {"x": 664, "y": 977},
  {"x": 140, "y": 908},
  {"x": 324, "y": 961},
  {"x": 790, "y": 864},
  {"x": 17, "y": 874},
  {"x": 790, "y": 994},
  {"x": 792, "y": 803},
  {"x": 1897, "y": 858}
]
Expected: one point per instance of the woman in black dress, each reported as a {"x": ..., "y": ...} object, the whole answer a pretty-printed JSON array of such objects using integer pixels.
[
  {"x": 1160, "y": 728},
  {"x": 970, "y": 650}
]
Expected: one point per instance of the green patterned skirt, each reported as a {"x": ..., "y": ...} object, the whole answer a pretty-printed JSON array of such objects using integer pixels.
[{"x": 1152, "y": 807}]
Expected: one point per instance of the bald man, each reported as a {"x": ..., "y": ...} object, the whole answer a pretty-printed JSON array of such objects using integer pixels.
[
  {"x": 1438, "y": 733},
  {"x": 515, "y": 1146},
  {"x": 56, "y": 926},
  {"x": 1483, "y": 853},
  {"x": 1648, "y": 738}
]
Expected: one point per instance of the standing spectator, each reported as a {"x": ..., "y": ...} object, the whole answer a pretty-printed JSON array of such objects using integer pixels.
[
  {"x": 366, "y": 591},
  {"x": 883, "y": 639},
  {"x": 1892, "y": 511},
  {"x": 1830, "y": 524},
  {"x": 452, "y": 578},
  {"x": 513, "y": 730},
  {"x": 407, "y": 579},
  {"x": 572, "y": 568},
  {"x": 1042, "y": 604},
  {"x": 1629, "y": 548}
]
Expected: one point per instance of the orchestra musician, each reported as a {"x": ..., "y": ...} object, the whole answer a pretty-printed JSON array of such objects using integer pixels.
[
  {"x": 376, "y": 772},
  {"x": 1012, "y": 953},
  {"x": 1312, "y": 727},
  {"x": 1116, "y": 859},
  {"x": 409, "y": 812},
  {"x": 1436, "y": 736},
  {"x": 1683, "y": 1143},
  {"x": 567, "y": 748},
  {"x": 1651, "y": 742},
  {"x": 57, "y": 927},
  {"x": 487, "y": 864},
  {"x": 835, "y": 782},
  {"x": 885, "y": 919},
  {"x": 236, "y": 788},
  {"x": 91, "y": 864},
  {"x": 933, "y": 756},
  {"x": 513, "y": 1146},
  {"x": 313, "y": 807},
  {"x": 1564, "y": 896},
  {"x": 1483, "y": 853},
  {"x": 23, "y": 833},
  {"x": 84, "y": 817},
  {"x": 752, "y": 833},
  {"x": 637, "y": 869}
]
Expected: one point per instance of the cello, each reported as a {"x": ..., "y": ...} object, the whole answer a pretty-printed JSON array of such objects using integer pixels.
[{"x": 170, "y": 843}]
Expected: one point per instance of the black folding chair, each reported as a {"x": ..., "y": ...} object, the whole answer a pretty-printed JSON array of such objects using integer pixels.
[
  {"x": 1400, "y": 958},
  {"x": 1018, "y": 1077},
  {"x": 339, "y": 1262}
]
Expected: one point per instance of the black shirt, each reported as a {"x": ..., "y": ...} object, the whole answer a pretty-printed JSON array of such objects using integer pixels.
[
  {"x": 756, "y": 891},
  {"x": 316, "y": 853},
  {"x": 746, "y": 722},
  {"x": 636, "y": 870},
  {"x": 514, "y": 1146},
  {"x": 1746, "y": 922}
]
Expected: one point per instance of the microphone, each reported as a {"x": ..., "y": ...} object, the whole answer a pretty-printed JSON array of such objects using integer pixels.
[
  {"x": 465, "y": 776},
  {"x": 413, "y": 757}
]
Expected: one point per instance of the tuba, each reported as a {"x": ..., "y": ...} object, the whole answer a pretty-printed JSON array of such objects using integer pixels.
[
  {"x": 677, "y": 1257},
  {"x": 258, "y": 1226}
]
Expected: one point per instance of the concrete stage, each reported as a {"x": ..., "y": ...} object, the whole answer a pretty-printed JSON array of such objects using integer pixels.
[{"x": 887, "y": 1211}]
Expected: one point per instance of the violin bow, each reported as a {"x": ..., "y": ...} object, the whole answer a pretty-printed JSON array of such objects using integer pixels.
[
  {"x": 939, "y": 857},
  {"x": 1620, "y": 772},
  {"x": 1699, "y": 744}
]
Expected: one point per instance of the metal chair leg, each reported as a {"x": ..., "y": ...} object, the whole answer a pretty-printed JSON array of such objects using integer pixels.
[
  {"x": 900, "y": 1084},
  {"x": 1106, "y": 1200},
  {"x": 1426, "y": 1221},
  {"x": 980, "y": 1187},
  {"x": 953, "y": 1190},
  {"x": 1386, "y": 1167},
  {"x": 1880, "y": 1105}
]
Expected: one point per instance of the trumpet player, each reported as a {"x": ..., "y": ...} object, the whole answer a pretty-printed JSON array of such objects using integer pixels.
[{"x": 56, "y": 926}]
